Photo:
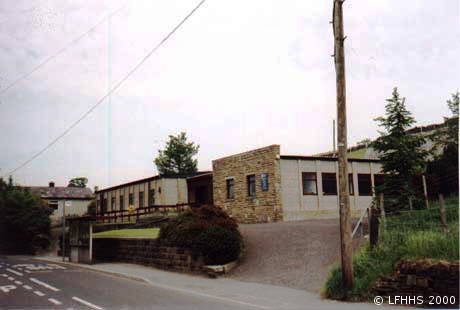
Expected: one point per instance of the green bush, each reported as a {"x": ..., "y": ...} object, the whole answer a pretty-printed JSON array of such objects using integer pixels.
[
  {"x": 219, "y": 245},
  {"x": 208, "y": 231}
]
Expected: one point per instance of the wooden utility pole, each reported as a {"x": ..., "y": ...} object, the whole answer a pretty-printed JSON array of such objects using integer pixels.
[
  {"x": 442, "y": 213},
  {"x": 344, "y": 202}
]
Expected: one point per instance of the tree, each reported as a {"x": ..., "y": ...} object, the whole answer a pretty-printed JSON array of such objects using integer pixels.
[
  {"x": 401, "y": 154},
  {"x": 78, "y": 182},
  {"x": 443, "y": 169},
  {"x": 365, "y": 141},
  {"x": 24, "y": 220},
  {"x": 177, "y": 157}
]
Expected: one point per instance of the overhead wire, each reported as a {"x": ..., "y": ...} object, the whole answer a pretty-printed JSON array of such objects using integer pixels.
[{"x": 115, "y": 87}]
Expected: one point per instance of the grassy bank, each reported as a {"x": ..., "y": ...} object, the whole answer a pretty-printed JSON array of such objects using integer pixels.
[
  {"x": 407, "y": 235},
  {"x": 151, "y": 233}
]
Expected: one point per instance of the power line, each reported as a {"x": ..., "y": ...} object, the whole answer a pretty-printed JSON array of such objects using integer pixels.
[
  {"x": 117, "y": 85},
  {"x": 60, "y": 51}
]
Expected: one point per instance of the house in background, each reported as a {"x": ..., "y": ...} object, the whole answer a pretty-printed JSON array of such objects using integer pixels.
[
  {"x": 263, "y": 186},
  {"x": 156, "y": 190},
  {"x": 56, "y": 196}
]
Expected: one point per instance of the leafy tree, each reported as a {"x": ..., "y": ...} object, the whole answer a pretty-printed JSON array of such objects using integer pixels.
[
  {"x": 364, "y": 141},
  {"x": 78, "y": 182},
  {"x": 443, "y": 169},
  {"x": 24, "y": 220},
  {"x": 400, "y": 152},
  {"x": 177, "y": 157}
]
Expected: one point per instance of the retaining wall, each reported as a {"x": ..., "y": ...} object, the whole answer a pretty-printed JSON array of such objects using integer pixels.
[{"x": 149, "y": 252}]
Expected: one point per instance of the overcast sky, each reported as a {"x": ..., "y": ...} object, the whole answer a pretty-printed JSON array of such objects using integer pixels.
[{"x": 237, "y": 76}]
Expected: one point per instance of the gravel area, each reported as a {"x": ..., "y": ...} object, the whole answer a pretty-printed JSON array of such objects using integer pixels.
[{"x": 295, "y": 254}]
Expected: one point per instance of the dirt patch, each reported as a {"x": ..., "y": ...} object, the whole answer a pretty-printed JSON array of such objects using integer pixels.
[{"x": 296, "y": 254}]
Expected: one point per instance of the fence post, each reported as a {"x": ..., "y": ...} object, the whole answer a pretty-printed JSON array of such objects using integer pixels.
[
  {"x": 410, "y": 203},
  {"x": 382, "y": 217},
  {"x": 425, "y": 192},
  {"x": 442, "y": 211},
  {"x": 373, "y": 226}
]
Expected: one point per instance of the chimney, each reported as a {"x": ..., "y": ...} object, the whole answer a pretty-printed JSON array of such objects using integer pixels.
[{"x": 51, "y": 184}]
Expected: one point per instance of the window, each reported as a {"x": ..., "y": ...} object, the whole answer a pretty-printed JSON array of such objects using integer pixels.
[
  {"x": 378, "y": 181},
  {"x": 329, "y": 183},
  {"x": 141, "y": 199},
  {"x": 98, "y": 206},
  {"x": 104, "y": 205},
  {"x": 130, "y": 199},
  {"x": 364, "y": 185},
  {"x": 351, "y": 189},
  {"x": 53, "y": 204},
  {"x": 151, "y": 197},
  {"x": 112, "y": 203},
  {"x": 264, "y": 182},
  {"x": 230, "y": 189},
  {"x": 309, "y": 183},
  {"x": 122, "y": 202},
  {"x": 251, "y": 182}
]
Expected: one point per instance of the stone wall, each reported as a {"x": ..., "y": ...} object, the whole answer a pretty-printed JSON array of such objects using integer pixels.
[
  {"x": 149, "y": 252},
  {"x": 265, "y": 206},
  {"x": 422, "y": 278}
]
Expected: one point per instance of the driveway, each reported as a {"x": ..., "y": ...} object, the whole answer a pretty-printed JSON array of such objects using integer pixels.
[{"x": 296, "y": 254}]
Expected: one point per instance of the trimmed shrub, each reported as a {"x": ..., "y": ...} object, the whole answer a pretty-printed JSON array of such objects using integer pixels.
[{"x": 207, "y": 231}]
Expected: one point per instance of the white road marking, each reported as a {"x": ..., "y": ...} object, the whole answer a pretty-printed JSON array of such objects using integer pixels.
[
  {"x": 45, "y": 285},
  {"x": 10, "y": 278},
  {"x": 27, "y": 271},
  {"x": 86, "y": 303},
  {"x": 39, "y": 293},
  {"x": 27, "y": 287},
  {"x": 14, "y": 271},
  {"x": 18, "y": 282},
  {"x": 54, "y": 301},
  {"x": 7, "y": 288}
]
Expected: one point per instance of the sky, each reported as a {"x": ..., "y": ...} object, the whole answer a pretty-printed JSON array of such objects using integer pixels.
[{"x": 236, "y": 76}]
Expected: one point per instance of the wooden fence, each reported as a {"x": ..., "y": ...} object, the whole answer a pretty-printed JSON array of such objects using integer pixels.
[{"x": 122, "y": 215}]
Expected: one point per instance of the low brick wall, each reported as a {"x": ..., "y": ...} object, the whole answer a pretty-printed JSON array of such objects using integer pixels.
[
  {"x": 149, "y": 252},
  {"x": 422, "y": 278}
]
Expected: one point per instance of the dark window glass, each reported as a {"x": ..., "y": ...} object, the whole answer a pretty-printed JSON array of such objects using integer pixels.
[
  {"x": 378, "y": 181},
  {"x": 152, "y": 197},
  {"x": 122, "y": 202},
  {"x": 364, "y": 185},
  {"x": 54, "y": 204},
  {"x": 104, "y": 205},
  {"x": 230, "y": 189},
  {"x": 141, "y": 199},
  {"x": 98, "y": 206},
  {"x": 351, "y": 188},
  {"x": 130, "y": 199},
  {"x": 251, "y": 181},
  {"x": 329, "y": 183},
  {"x": 112, "y": 204},
  {"x": 309, "y": 183}
]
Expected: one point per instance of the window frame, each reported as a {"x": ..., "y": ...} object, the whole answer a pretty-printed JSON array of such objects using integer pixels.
[
  {"x": 329, "y": 179},
  {"x": 251, "y": 185},
  {"x": 54, "y": 204},
  {"x": 230, "y": 183},
  {"x": 112, "y": 203},
  {"x": 304, "y": 174},
  {"x": 151, "y": 197},
  {"x": 122, "y": 202},
  {"x": 360, "y": 186},
  {"x": 130, "y": 199}
]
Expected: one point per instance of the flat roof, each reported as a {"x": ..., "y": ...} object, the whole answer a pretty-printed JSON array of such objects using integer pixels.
[
  {"x": 156, "y": 177},
  {"x": 300, "y": 157}
]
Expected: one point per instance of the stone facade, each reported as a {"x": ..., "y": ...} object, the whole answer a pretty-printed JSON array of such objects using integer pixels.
[
  {"x": 423, "y": 278},
  {"x": 149, "y": 252},
  {"x": 265, "y": 205}
]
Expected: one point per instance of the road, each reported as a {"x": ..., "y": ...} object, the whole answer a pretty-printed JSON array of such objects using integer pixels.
[{"x": 26, "y": 283}]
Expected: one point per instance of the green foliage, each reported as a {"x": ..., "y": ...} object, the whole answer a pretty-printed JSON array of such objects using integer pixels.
[
  {"x": 24, "y": 220},
  {"x": 177, "y": 157},
  {"x": 208, "y": 231},
  {"x": 78, "y": 182},
  {"x": 443, "y": 169},
  {"x": 401, "y": 154},
  {"x": 407, "y": 235}
]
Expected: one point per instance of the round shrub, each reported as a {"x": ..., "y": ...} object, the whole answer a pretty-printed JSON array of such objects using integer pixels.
[{"x": 219, "y": 245}]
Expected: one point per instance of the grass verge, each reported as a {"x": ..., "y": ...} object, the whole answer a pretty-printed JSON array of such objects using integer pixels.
[{"x": 409, "y": 235}]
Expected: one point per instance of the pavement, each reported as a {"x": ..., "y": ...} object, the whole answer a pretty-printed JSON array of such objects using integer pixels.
[
  {"x": 298, "y": 255},
  {"x": 231, "y": 292}
]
